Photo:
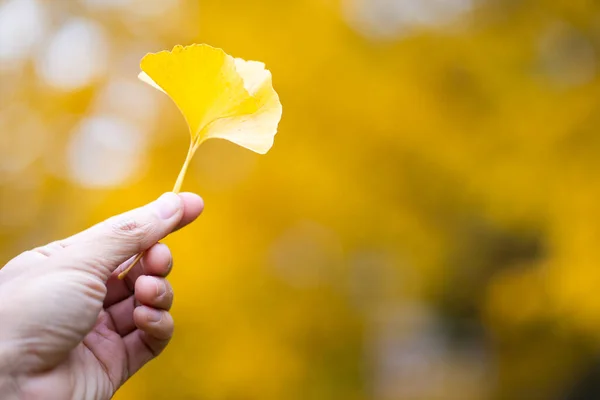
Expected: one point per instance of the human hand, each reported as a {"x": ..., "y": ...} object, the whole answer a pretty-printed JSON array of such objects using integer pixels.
[{"x": 69, "y": 329}]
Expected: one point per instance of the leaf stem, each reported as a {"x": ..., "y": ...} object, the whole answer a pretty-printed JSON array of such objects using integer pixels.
[
  {"x": 184, "y": 168},
  {"x": 176, "y": 189}
]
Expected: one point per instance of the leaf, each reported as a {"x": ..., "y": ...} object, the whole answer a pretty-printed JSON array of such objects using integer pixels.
[{"x": 219, "y": 96}]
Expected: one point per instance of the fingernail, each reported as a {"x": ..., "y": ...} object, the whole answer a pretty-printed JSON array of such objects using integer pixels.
[
  {"x": 167, "y": 205},
  {"x": 160, "y": 288},
  {"x": 154, "y": 315}
]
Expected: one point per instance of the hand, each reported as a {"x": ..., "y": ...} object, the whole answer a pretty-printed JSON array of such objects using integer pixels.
[{"x": 69, "y": 329}]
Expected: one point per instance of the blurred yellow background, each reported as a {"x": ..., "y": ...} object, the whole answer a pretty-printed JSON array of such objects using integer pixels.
[{"x": 426, "y": 227}]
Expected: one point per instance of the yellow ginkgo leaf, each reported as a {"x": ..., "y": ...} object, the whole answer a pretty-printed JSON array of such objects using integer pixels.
[{"x": 219, "y": 96}]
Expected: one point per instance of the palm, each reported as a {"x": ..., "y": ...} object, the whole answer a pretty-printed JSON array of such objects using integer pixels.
[{"x": 83, "y": 371}]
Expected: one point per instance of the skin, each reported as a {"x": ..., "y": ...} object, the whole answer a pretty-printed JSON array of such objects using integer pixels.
[{"x": 69, "y": 329}]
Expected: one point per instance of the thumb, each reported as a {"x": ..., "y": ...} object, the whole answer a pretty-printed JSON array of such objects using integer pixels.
[{"x": 105, "y": 246}]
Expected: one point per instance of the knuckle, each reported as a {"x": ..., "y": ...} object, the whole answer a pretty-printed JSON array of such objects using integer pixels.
[
  {"x": 49, "y": 249},
  {"x": 130, "y": 229},
  {"x": 43, "y": 251},
  {"x": 59, "y": 244}
]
